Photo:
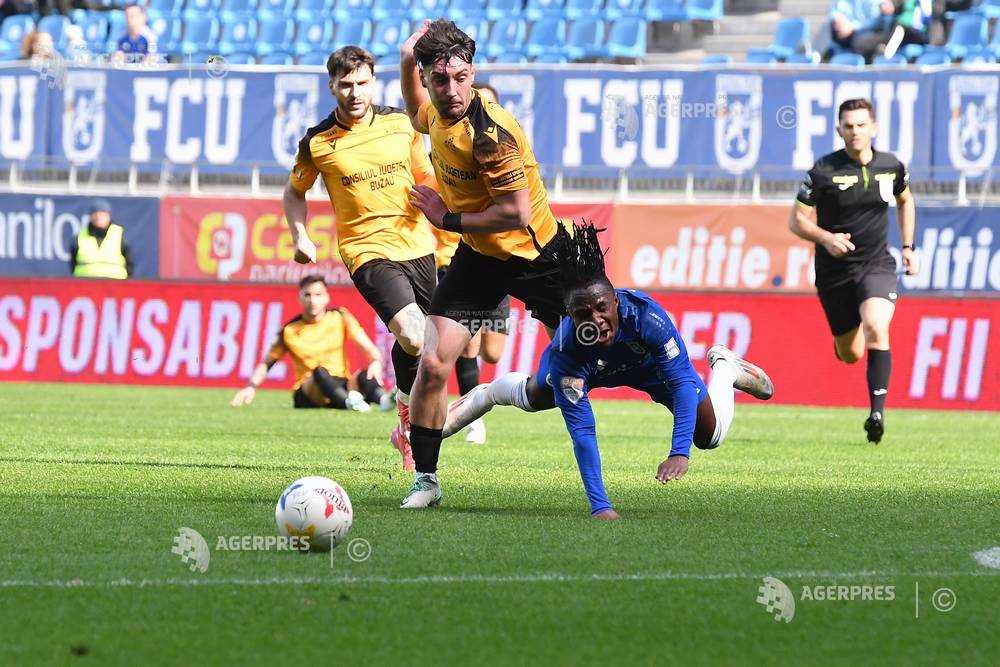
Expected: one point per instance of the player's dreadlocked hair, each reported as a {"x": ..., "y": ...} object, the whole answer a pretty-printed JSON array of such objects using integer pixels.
[
  {"x": 580, "y": 258},
  {"x": 443, "y": 41}
]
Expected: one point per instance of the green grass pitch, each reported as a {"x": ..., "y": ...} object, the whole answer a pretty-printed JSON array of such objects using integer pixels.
[{"x": 96, "y": 481}]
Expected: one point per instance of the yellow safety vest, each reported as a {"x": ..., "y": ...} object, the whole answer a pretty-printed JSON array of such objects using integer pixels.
[{"x": 100, "y": 260}]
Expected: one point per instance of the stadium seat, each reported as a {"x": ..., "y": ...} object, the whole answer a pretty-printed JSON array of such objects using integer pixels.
[
  {"x": 239, "y": 33},
  {"x": 968, "y": 32},
  {"x": 627, "y": 38},
  {"x": 311, "y": 10},
  {"x": 511, "y": 57},
  {"x": 170, "y": 7},
  {"x": 388, "y": 35},
  {"x": 55, "y": 25},
  {"x": 802, "y": 59},
  {"x": 989, "y": 9},
  {"x": 478, "y": 31},
  {"x": 274, "y": 35},
  {"x": 78, "y": 16},
  {"x": 552, "y": 58},
  {"x": 116, "y": 28},
  {"x": 704, "y": 10},
  {"x": 238, "y": 7},
  {"x": 507, "y": 36},
  {"x": 934, "y": 57},
  {"x": 273, "y": 8},
  {"x": 241, "y": 59},
  {"x": 586, "y": 40},
  {"x": 994, "y": 46},
  {"x": 848, "y": 60},
  {"x": 583, "y": 9},
  {"x": 393, "y": 9},
  {"x": 980, "y": 57},
  {"x": 537, "y": 10},
  {"x": 14, "y": 28},
  {"x": 497, "y": 10},
  {"x": 761, "y": 57},
  {"x": 389, "y": 60},
  {"x": 346, "y": 10},
  {"x": 356, "y": 31},
  {"x": 276, "y": 58},
  {"x": 314, "y": 58},
  {"x": 462, "y": 11},
  {"x": 201, "y": 33},
  {"x": 617, "y": 9},
  {"x": 790, "y": 36},
  {"x": 548, "y": 35},
  {"x": 665, "y": 10},
  {"x": 313, "y": 35},
  {"x": 912, "y": 51},
  {"x": 427, "y": 9},
  {"x": 895, "y": 61},
  {"x": 717, "y": 59},
  {"x": 167, "y": 29},
  {"x": 202, "y": 8},
  {"x": 95, "y": 31}
]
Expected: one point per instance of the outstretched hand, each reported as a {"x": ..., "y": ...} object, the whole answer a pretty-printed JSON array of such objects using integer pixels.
[{"x": 672, "y": 468}]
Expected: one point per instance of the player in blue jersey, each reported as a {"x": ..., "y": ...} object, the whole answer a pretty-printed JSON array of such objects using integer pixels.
[{"x": 617, "y": 338}]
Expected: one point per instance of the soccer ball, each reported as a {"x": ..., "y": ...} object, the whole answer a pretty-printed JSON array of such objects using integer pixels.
[{"x": 317, "y": 508}]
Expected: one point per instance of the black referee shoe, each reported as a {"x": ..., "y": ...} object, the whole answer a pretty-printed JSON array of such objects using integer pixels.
[{"x": 875, "y": 427}]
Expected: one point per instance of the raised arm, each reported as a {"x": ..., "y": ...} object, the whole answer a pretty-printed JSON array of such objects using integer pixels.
[{"x": 414, "y": 94}]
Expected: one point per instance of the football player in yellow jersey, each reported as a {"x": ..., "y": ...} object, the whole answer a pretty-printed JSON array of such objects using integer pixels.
[
  {"x": 369, "y": 158},
  {"x": 491, "y": 193},
  {"x": 315, "y": 341}
]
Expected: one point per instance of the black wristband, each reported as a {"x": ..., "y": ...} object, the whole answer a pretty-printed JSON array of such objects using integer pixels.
[
  {"x": 908, "y": 246},
  {"x": 452, "y": 222}
]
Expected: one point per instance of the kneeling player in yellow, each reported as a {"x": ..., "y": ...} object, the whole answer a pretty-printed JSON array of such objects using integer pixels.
[{"x": 315, "y": 341}]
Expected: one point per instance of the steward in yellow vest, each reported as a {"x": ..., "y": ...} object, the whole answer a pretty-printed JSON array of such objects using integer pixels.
[{"x": 100, "y": 250}]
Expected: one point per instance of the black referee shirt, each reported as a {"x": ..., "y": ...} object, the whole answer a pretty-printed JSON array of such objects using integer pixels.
[{"x": 852, "y": 198}]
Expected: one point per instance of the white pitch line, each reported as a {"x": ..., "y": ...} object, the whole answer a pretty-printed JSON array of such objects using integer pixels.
[{"x": 553, "y": 577}]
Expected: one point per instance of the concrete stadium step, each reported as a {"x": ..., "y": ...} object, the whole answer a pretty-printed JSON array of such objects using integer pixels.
[{"x": 754, "y": 24}]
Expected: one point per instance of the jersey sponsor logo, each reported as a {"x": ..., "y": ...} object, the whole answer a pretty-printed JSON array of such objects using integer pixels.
[
  {"x": 738, "y": 124},
  {"x": 507, "y": 179},
  {"x": 295, "y": 100},
  {"x": 572, "y": 389},
  {"x": 972, "y": 128},
  {"x": 83, "y": 115},
  {"x": 844, "y": 181},
  {"x": 672, "y": 349}
]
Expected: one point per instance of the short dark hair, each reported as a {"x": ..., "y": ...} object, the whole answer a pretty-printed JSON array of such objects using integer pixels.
[
  {"x": 486, "y": 86},
  {"x": 580, "y": 258},
  {"x": 443, "y": 41},
  {"x": 310, "y": 279},
  {"x": 347, "y": 59},
  {"x": 854, "y": 105}
]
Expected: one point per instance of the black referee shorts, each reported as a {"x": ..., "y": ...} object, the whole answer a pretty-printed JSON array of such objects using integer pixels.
[
  {"x": 390, "y": 286},
  {"x": 475, "y": 286},
  {"x": 842, "y": 303}
]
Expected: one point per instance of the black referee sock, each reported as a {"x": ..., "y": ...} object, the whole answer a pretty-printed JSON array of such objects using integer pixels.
[
  {"x": 405, "y": 367},
  {"x": 467, "y": 372},
  {"x": 426, "y": 446},
  {"x": 879, "y": 369}
]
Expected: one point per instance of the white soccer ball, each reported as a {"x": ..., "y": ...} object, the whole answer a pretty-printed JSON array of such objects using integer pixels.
[{"x": 317, "y": 508}]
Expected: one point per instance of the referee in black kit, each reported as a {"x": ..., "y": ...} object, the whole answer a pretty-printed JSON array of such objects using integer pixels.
[{"x": 842, "y": 207}]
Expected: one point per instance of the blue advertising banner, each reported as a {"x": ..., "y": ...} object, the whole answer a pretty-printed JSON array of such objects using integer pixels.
[
  {"x": 592, "y": 117},
  {"x": 37, "y": 232}
]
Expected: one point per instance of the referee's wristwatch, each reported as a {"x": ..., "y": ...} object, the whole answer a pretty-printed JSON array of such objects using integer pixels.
[{"x": 907, "y": 246}]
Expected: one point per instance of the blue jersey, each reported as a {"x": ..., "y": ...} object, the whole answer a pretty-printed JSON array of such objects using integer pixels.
[{"x": 646, "y": 354}]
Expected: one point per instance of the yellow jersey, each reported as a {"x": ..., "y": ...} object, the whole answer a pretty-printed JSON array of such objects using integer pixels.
[
  {"x": 447, "y": 244},
  {"x": 368, "y": 170},
  {"x": 315, "y": 344},
  {"x": 481, "y": 155}
]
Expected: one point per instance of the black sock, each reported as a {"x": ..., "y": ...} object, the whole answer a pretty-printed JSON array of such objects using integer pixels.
[
  {"x": 334, "y": 389},
  {"x": 879, "y": 369},
  {"x": 467, "y": 372},
  {"x": 426, "y": 445},
  {"x": 370, "y": 389},
  {"x": 405, "y": 367}
]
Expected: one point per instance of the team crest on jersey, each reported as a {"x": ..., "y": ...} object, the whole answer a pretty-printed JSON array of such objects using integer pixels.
[
  {"x": 572, "y": 389},
  {"x": 972, "y": 128},
  {"x": 738, "y": 123},
  {"x": 295, "y": 100},
  {"x": 83, "y": 115},
  {"x": 885, "y": 184},
  {"x": 672, "y": 349}
]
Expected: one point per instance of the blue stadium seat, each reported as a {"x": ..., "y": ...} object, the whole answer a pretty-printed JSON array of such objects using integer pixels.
[
  {"x": 761, "y": 57},
  {"x": 478, "y": 31},
  {"x": 583, "y": 9},
  {"x": 510, "y": 57},
  {"x": 895, "y": 61},
  {"x": 14, "y": 28},
  {"x": 540, "y": 9},
  {"x": 704, "y": 10},
  {"x": 314, "y": 58},
  {"x": 274, "y": 35},
  {"x": 78, "y": 16},
  {"x": 311, "y": 10},
  {"x": 461, "y": 11},
  {"x": 665, "y": 10},
  {"x": 167, "y": 29},
  {"x": 426, "y": 9},
  {"x": 988, "y": 8},
  {"x": 717, "y": 59},
  {"x": 994, "y": 46},
  {"x": 969, "y": 31},
  {"x": 389, "y": 60},
  {"x": 552, "y": 58},
  {"x": 345, "y": 10},
  {"x": 548, "y": 35},
  {"x": 238, "y": 7},
  {"x": 912, "y": 51},
  {"x": 357, "y": 32},
  {"x": 388, "y": 35},
  {"x": 507, "y": 36},
  {"x": 172, "y": 7},
  {"x": 55, "y": 25},
  {"x": 616, "y": 9},
  {"x": 116, "y": 28},
  {"x": 95, "y": 31},
  {"x": 272, "y": 8},
  {"x": 802, "y": 59},
  {"x": 981, "y": 57},
  {"x": 848, "y": 60},
  {"x": 202, "y": 8},
  {"x": 390, "y": 9},
  {"x": 241, "y": 59},
  {"x": 790, "y": 36},
  {"x": 313, "y": 35},
  {"x": 201, "y": 33},
  {"x": 586, "y": 40},
  {"x": 276, "y": 58},
  {"x": 628, "y": 38},
  {"x": 934, "y": 57},
  {"x": 497, "y": 10},
  {"x": 239, "y": 33}
]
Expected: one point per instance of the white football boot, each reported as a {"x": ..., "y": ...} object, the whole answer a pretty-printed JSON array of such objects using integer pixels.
[
  {"x": 425, "y": 492},
  {"x": 750, "y": 379},
  {"x": 476, "y": 432},
  {"x": 467, "y": 409},
  {"x": 355, "y": 401}
]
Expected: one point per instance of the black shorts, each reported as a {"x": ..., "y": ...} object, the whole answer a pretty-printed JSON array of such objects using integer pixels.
[
  {"x": 475, "y": 286},
  {"x": 842, "y": 303},
  {"x": 499, "y": 317},
  {"x": 390, "y": 286}
]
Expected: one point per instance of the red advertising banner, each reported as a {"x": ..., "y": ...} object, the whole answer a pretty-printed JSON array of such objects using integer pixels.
[
  {"x": 945, "y": 351},
  {"x": 232, "y": 239}
]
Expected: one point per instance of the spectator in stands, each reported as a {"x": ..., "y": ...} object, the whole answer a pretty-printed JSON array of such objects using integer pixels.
[
  {"x": 861, "y": 26},
  {"x": 12, "y": 7},
  {"x": 138, "y": 44},
  {"x": 910, "y": 23},
  {"x": 37, "y": 45},
  {"x": 940, "y": 26},
  {"x": 100, "y": 250}
]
